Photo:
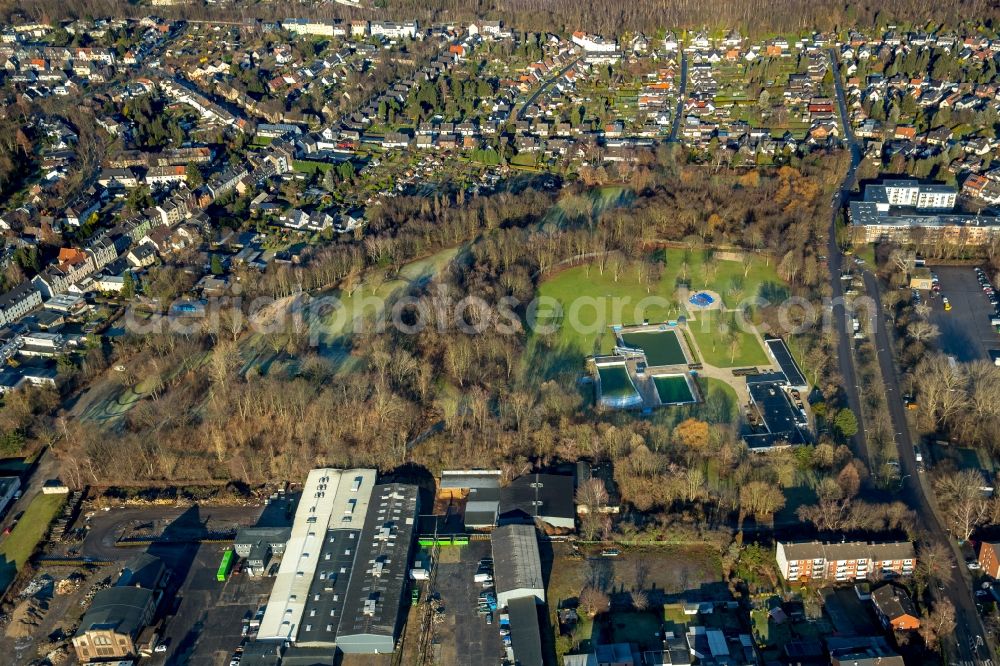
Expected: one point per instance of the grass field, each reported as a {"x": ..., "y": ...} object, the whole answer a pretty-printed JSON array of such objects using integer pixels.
[
  {"x": 590, "y": 300},
  {"x": 310, "y": 166},
  {"x": 721, "y": 405},
  {"x": 661, "y": 347},
  {"x": 17, "y": 547},
  {"x": 715, "y": 345}
]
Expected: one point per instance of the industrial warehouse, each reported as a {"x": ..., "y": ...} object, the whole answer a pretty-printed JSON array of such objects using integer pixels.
[{"x": 343, "y": 574}]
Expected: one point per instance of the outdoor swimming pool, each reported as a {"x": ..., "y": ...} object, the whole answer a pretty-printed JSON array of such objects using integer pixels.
[
  {"x": 617, "y": 388},
  {"x": 661, "y": 346},
  {"x": 673, "y": 389}
]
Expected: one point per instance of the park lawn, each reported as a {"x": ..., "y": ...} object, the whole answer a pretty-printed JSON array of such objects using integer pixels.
[
  {"x": 721, "y": 404},
  {"x": 369, "y": 299},
  {"x": 591, "y": 301},
  {"x": 714, "y": 346},
  {"x": 610, "y": 301},
  {"x": 728, "y": 278},
  {"x": 17, "y": 547}
]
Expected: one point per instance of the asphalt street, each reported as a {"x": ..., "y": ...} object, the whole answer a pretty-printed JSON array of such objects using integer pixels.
[
  {"x": 970, "y": 642},
  {"x": 682, "y": 93}
]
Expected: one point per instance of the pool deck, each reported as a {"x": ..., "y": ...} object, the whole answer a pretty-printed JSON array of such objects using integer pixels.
[{"x": 645, "y": 385}]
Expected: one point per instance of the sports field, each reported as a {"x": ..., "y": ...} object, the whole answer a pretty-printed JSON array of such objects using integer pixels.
[
  {"x": 673, "y": 389},
  {"x": 661, "y": 347}
]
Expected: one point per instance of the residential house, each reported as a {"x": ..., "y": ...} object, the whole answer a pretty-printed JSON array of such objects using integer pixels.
[{"x": 895, "y": 609}]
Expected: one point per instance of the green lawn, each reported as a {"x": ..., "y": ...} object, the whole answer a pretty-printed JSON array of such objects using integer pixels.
[
  {"x": 17, "y": 547},
  {"x": 310, "y": 166},
  {"x": 715, "y": 345},
  {"x": 721, "y": 405},
  {"x": 640, "y": 628},
  {"x": 593, "y": 299}
]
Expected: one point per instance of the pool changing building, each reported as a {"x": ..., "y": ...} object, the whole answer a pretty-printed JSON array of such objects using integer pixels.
[{"x": 343, "y": 574}]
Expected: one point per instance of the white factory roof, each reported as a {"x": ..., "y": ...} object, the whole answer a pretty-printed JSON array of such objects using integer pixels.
[{"x": 331, "y": 499}]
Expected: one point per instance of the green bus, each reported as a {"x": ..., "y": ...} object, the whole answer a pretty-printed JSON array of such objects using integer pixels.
[{"x": 226, "y": 565}]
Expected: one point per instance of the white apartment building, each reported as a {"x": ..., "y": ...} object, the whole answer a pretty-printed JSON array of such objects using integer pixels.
[{"x": 912, "y": 193}]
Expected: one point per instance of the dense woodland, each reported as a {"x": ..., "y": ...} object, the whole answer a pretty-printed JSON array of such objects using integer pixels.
[
  {"x": 752, "y": 16},
  {"x": 443, "y": 398}
]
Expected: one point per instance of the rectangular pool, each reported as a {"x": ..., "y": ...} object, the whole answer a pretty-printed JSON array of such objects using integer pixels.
[
  {"x": 673, "y": 389},
  {"x": 661, "y": 347}
]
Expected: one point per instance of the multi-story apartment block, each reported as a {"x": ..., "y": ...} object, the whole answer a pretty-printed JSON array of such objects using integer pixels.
[
  {"x": 18, "y": 302},
  {"x": 846, "y": 561},
  {"x": 912, "y": 193},
  {"x": 906, "y": 211}
]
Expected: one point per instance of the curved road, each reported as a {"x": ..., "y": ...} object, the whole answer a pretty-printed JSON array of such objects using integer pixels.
[{"x": 970, "y": 642}]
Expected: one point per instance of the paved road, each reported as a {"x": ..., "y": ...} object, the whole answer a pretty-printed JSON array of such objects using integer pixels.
[
  {"x": 835, "y": 261},
  {"x": 107, "y": 527},
  {"x": 968, "y": 640},
  {"x": 915, "y": 490},
  {"x": 682, "y": 93},
  {"x": 545, "y": 84}
]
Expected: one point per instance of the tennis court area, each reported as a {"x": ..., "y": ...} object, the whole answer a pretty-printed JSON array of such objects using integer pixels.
[
  {"x": 673, "y": 389},
  {"x": 661, "y": 347}
]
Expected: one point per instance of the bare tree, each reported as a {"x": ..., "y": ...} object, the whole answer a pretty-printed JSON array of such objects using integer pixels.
[
  {"x": 961, "y": 497},
  {"x": 593, "y": 601},
  {"x": 934, "y": 563},
  {"x": 940, "y": 622}
]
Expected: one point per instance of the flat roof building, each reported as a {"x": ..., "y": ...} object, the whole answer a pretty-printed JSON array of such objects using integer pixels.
[
  {"x": 544, "y": 497},
  {"x": 906, "y": 211},
  {"x": 783, "y": 423},
  {"x": 341, "y": 581},
  {"x": 778, "y": 350},
  {"x": 372, "y": 615},
  {"x": 332, "y": 499}
]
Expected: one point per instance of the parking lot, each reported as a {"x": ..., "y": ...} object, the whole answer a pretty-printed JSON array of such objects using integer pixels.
[
  {"x": 966, "y": 332},
  {"x": 464, "y": 636},
  {"x": 206, "y": 622}
]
